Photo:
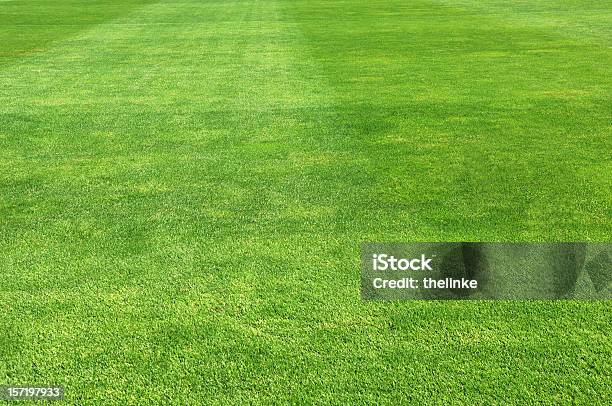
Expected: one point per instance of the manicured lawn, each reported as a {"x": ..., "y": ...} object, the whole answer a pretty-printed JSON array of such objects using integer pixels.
[{"x": 184, "y": 187}]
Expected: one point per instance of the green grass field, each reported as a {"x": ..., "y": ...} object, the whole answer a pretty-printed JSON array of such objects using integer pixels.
[{"x": 184, "y": 186}]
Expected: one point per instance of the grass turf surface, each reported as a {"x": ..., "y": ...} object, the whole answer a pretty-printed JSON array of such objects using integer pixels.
[{"x": 184, "y": 187}]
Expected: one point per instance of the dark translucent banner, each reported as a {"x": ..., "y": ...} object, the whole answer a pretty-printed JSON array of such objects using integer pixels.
[{"x": 521, "y": 271}]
